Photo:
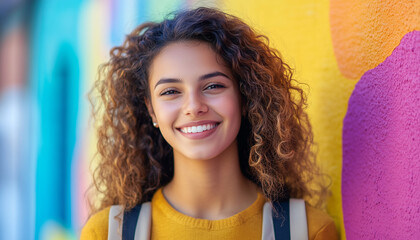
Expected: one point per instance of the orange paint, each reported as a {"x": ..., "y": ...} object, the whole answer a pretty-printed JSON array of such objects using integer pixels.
[{"x": 364, "y": 33}]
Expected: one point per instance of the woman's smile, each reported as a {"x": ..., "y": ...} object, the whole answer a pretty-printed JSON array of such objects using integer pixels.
[{"x": 199, "y": 130}]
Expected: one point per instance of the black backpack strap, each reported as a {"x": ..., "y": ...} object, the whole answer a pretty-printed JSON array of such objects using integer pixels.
[
  {"x": 130, "y": 223},
  {"x": 281, "y": 220}
]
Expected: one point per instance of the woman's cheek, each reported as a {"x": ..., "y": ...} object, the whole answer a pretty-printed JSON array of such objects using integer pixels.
[
  {"x": 229, "y": 106},
  {"x": 166, "y": 110}
]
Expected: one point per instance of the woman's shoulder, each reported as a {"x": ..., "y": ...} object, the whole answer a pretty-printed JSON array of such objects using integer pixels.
[
  {"x": 97, "y": 226},
  {"x": 320, "y": 224}
]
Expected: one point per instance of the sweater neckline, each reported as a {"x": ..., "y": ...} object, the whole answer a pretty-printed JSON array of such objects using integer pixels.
[{"x": 255, "y": 208}]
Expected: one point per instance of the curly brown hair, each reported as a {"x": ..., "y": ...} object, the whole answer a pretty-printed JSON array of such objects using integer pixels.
[{"x": 275, "y": 137}]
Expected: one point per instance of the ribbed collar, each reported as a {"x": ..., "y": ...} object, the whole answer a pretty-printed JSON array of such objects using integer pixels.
[{"x": 163, "y": 206}]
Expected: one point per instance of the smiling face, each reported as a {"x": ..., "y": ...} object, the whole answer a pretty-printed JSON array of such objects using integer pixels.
[{"x": 194, "y": 100}]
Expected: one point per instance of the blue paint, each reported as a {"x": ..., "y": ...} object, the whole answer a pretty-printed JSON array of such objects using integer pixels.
[
  {"x": 125, "y": 16},
  {"x": 54, "y": 79}
]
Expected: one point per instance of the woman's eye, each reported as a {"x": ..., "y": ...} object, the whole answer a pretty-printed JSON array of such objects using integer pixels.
[
  {"x": 213, "y": 86},
  {"x": 169, "y": 92}
]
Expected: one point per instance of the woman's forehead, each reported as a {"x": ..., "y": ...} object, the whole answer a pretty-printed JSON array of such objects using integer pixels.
[
  {"x": 186, "y": 50},
  {"x": 186, "y": 58}
]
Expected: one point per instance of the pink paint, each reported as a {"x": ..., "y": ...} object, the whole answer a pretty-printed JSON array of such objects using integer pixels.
[{"x": 381, "y": 149}]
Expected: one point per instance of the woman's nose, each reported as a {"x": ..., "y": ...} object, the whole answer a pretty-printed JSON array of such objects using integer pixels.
[{"x": 195, "y": 105}]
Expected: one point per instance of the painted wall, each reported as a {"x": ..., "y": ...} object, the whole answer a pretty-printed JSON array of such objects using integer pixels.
[
  {"x": 381, "y": 148},
  {"x": 332, "y": 44},
  {"x": 377, "y": 41},
  {"x": 359, "y": 58}
]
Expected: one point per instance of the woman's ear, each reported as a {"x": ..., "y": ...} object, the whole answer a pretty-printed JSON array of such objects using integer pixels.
[{"x": 151, "y": 112}]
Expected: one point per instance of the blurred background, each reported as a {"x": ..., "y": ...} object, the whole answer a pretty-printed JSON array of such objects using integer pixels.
[{"x": 361, "y": 60}]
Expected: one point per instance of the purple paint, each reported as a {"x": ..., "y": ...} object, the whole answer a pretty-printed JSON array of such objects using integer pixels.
[{"x": 381, "y": 149}]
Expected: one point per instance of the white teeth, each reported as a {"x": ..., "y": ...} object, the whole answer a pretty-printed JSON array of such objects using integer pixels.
[{"x": 198, "y": 129}]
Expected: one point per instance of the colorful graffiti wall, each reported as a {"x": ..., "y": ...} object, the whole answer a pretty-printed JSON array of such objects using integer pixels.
[{"x": 360, "y": 59}]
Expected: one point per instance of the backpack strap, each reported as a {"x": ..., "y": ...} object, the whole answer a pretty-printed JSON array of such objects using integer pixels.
[
  {"x": 281, "y": 220},
  {"x": 298, "y": 222},
  {"x": 136, "y": 223},
  {"x": 114, "y": 219},
  {"x": 144, "y": 223},
  {"x": 130, "y": 223},
  {"x": 267, "y": 228},
  {"x": 288, "y": 221}
]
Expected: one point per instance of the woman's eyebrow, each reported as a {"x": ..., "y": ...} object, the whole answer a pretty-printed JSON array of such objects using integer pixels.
[
  {"x": 213, "y": 74},
  {"x": 167, "y": 80},
  {"x": 204, "y": 77}
]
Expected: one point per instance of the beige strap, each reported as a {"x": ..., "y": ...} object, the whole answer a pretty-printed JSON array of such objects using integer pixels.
[
  {"x": 144, "y": 222},
  {"x": 267, "y": 228},
  {"x": 114, "y": 225},
  {"x": 298, "y": 223}
]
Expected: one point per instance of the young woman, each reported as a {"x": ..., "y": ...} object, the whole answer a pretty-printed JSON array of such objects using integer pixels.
[{"x": 202, "y": 119}]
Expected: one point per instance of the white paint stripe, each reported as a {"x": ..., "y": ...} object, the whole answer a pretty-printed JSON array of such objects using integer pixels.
[
  {"x": 115, "y": 226},
  {"x": 267, "y": 224},
  {"x": 298, "y": 223}
]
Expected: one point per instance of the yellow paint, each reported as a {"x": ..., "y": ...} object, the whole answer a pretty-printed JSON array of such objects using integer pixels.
[
  {"x": 301, "y": 31},
  {"x": 365, "y": 33}
]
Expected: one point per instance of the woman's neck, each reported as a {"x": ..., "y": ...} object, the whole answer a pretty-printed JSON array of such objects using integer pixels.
[{"x": 210, "y": 189}]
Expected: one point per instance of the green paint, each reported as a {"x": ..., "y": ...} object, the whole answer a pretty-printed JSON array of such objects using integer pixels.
[{"x": 158, "y": 10}]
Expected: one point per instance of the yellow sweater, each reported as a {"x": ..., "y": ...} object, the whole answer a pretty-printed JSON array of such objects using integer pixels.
[{"x": 167, "y": 223}]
